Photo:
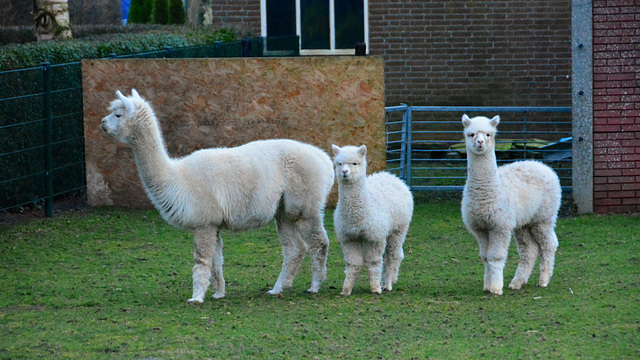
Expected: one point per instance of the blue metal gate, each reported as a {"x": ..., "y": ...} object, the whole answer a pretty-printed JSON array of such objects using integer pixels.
[{"x": 425, "y": 146}]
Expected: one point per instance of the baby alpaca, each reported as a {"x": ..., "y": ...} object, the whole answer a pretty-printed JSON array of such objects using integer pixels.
[
  {"x": 522, "y": 198},
  {"x": 371, "y": 220},
  {"x": 239, "y": 188}
]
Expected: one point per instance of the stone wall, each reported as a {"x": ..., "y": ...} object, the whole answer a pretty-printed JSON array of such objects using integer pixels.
[{"x": 202, "y": 103}]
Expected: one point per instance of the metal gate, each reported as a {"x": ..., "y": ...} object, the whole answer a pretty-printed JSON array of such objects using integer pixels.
[{"x": 425, "y": 146}]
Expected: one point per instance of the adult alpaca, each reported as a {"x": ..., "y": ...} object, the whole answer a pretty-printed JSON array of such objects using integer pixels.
[
  {"x": 522, "y": 198},
  {"x": 236, "y": 189}
]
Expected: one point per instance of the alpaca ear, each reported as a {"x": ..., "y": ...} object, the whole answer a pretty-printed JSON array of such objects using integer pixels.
[
  {"x": 466, "y": 121},
  {"x": 495, "y": 121},
  {"x": 336, "y": 150},
  {"x": 128, "y": 106},
  {"x": 362, "y": 150},
  {"x": 135, "y": 94}
]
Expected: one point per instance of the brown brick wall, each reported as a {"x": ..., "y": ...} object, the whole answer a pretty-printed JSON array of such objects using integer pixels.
[
  {"x": 501, "y": 52},
  {"x": 243, "y": 15},
  {"x": 467, "y": 52},
  {"x": 616, "y": 106}
]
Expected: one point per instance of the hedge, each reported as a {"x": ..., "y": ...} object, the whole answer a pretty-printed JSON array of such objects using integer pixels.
[{"x": 19, "y": 56}]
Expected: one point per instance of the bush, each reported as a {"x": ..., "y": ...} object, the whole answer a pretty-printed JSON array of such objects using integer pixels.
[
  {"x": 177, "y": 14},
  {"x": 140, "y": 11},
  {"x": 161, "y": 12},
  {"x": 20, "y": 56}
]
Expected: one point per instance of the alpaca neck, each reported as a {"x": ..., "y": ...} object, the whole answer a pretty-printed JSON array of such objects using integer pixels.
[
  {"x": 482, "y": 168},
  {"x": 152, "y": 159},
  {"x": 353, "y": 195}
]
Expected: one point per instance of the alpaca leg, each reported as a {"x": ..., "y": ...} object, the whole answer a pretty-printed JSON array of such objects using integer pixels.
[
  {"x": 496, "y": 259},
  {"x": 528, "y": 252},
  {"x": 352, "y": 252},
  {"x": 218, "y": 283},
  {"x": 293, "y": 251},
  {"x": 204, "y": 246},
  {"x": 373, "y": 251},
  {"x": 483, "y": 243},
  {"x": 548, "y": 242},
  {"x": 393, "y": 257},
  {"x": 315, "y": 236}
]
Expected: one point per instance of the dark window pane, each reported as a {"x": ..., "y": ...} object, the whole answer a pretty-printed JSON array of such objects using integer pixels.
[
  {"x": 315, "y": 24},
  {"x": 281, "y": 17},
  {"x": 349, "y": 15}
]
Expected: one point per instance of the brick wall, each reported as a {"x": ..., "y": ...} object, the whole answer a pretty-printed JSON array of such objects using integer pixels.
[
  {"x": 616, "y": 105},
  {"x": 501, "y": 52},
  {"x": 243, "y": 15},
  {"x": 467, "y": 52}
]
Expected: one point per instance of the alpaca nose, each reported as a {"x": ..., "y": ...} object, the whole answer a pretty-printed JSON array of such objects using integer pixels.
[{"x": 480, "y": 141}]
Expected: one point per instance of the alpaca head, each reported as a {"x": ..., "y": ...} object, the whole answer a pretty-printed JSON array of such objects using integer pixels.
[
  {"x": 479, "y": 133},
  {"x": 124, "y": 120},
  {"x": 350, "y": 163}
]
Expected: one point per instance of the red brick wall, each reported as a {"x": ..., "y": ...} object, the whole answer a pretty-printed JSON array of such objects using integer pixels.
[
  {"x": 243, "y": 15},
  {"x": 465, "y": 52},
  {"x": 616, "y": 106},
  {"x": 470, "y": 52}
]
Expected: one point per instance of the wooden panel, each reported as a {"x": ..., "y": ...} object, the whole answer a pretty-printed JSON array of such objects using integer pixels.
[{"x": 203, "y": 103}]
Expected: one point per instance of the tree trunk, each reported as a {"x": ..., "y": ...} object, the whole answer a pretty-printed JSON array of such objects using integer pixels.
[{"x": 52, "y": 19}]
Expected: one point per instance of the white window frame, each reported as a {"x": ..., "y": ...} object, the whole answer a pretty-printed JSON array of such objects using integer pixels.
[{"x": 332, "y": 29}]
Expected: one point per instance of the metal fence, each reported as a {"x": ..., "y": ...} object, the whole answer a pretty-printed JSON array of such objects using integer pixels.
[
  {"x": 425, "y": 146},
  {"x": 41, "y": 121}
]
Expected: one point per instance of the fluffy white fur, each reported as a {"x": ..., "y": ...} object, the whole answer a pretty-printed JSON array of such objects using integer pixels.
[
  {"x": 522, "y": 198},
  {"x": 231, "y": 188},
  {"x": 371, "y": 220}
]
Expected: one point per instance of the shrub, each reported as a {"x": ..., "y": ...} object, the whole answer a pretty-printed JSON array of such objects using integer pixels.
[
  {"x": 161, "y": 12},
  {"x": 140, "y": 11},
  {"x": 177, "y": 14},
  {"x": 20, "y": 56}
]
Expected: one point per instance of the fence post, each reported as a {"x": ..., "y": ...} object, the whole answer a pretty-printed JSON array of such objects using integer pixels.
[
  {"x": 403, "y": 145},
  {"x": 245, "y": 47},
  {"x": 217, "y": 49},
  {"x": 169, "y": 51},
  {"x": 408, "y": 146},
  {"x": 48, "y": 131}
]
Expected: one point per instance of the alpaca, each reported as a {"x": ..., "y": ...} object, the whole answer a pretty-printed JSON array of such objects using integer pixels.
[
  {"x": 235, "y": 189},
  {"x": 371, "y": 220},
  {"x": 522, "y": 198}
]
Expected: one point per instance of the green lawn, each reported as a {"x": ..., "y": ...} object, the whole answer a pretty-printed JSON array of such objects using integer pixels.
[{"x": 114, "y": 283}]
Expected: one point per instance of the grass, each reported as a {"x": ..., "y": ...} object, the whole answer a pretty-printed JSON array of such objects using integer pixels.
[{"x": 114, "y": 283}]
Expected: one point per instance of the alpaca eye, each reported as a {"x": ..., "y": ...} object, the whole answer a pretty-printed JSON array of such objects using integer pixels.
[
  {"x": 471, "y": 135},
  {"x": 118, "y": 115},
  {"x": 488, "y": 135},
  {"x": 355, "y": 164}
]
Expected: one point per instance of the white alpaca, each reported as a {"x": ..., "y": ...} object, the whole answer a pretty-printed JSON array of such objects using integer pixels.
[
  {"x": 522, "y": 198},
  {"x": 372, "y": 218},
  {"x": 231, "y": 188}
]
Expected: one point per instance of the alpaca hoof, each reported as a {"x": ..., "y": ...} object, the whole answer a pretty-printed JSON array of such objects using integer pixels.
[
  {"x": 496, "y": 292},
  {"x": 274, "y": 292},
  {"x": 218, "y": 295},
  {"x": 543, "y": 285},
  {"x": 311, "y": 291},
  {"x": 345, "y": 293},
  {"x": 517, "y": 285},
  {"x": 194, "y": 301},
  {"x": 376, "y": 291}
]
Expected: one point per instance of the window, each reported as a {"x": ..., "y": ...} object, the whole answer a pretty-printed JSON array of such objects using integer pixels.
[{"x": 324, "y": 26}]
